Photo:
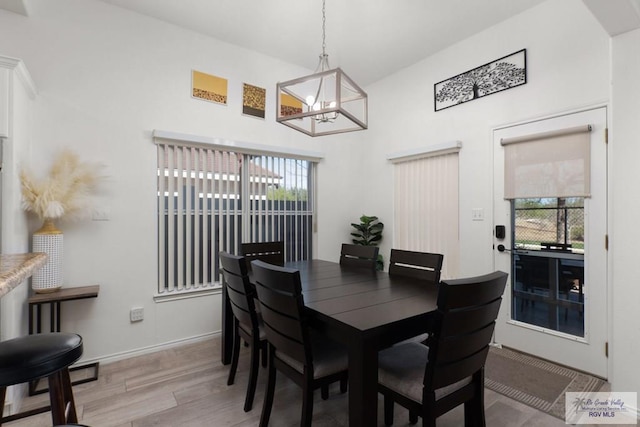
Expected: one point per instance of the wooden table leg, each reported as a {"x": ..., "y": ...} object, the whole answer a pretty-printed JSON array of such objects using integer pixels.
[{"x": 363, "y": 383}]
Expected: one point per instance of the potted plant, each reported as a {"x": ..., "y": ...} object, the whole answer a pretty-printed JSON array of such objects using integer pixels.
[{"x": 369, "y": 233}]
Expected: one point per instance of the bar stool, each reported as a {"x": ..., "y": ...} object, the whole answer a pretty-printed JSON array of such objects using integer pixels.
[{"x": 31, "y": 357}]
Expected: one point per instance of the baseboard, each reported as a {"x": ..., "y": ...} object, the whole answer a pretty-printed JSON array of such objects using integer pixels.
[{"x": 147, "y": 350}]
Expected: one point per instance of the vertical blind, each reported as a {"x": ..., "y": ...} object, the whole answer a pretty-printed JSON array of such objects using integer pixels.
[
  {"x": 426, "y": 208},
  {"x": 211, "y": 200},
  {"x": 548, "y": 164}
]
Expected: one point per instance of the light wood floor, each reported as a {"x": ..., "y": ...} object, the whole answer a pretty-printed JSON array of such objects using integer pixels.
[{"x": 187, "y": 387}]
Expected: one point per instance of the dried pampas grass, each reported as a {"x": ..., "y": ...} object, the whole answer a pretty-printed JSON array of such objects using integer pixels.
[{"x": 66, "y": 191}]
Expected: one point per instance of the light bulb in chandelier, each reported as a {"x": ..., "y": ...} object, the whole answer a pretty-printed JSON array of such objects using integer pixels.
[{"x": 320, "y": 105}]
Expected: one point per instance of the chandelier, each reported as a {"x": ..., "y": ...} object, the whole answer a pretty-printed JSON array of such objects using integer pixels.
[{"x": 323, "y": 103}]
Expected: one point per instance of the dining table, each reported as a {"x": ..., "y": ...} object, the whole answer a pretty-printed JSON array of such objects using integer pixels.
[{"x": 363, "y": 309}]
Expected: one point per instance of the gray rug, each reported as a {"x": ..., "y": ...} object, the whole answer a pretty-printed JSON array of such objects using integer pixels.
[{"x": 534, "y": 382}]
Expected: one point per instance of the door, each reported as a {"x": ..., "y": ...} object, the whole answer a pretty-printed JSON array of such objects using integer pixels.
[{"x": 555, "y": 305}]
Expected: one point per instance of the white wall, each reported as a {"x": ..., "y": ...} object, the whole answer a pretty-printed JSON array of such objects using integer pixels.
[{"x": 624, "y": 149}]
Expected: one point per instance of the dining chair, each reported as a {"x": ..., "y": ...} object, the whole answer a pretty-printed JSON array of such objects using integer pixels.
[
  {"x": 247, "y": 324},
  {"x": 418, "y": 265},
  {"x": 359, "y": 256},
  {"x": 270, "y": 252},
  {"x": 309, "y": 358},
  {"x": 423, "y": 266},
  {"x": 449, "y": 371}
]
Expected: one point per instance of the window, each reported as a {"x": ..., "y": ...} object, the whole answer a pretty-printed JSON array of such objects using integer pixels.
[
  {"x": 426, "y": 204},
  {"x": 549, "y": 224},
  {"x": 210, "y": 199}
]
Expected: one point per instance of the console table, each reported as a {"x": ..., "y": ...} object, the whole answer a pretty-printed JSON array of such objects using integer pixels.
[{"x": 54, "y": 300}]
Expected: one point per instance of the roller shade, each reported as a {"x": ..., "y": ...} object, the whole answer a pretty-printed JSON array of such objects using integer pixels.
[{"x": 548, "y": 164}]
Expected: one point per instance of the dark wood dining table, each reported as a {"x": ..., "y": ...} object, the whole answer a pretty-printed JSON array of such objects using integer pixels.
[{"x": 366, "y": 311}]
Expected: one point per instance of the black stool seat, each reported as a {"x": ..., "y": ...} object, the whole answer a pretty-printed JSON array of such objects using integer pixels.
[
  {"x": 37, "y": 356},
  {"x": 31, "y": 357}
]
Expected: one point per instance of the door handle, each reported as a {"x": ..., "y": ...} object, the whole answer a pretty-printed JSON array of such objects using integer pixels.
[{"x": 502, "y": 248}]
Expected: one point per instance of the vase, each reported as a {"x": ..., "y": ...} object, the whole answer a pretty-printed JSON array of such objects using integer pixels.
[{"x": 48, "y": 239}]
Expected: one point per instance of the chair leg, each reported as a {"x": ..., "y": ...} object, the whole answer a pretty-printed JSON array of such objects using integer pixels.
[
  {"x": 474, "y": 408},
  {"x": 413, "y": 417},
  {"x": 324, "y": 392},
  {"x": 344, "y": 381},
  {"x": 268, "y": 396},
  {"x": 70, "y": 404},
  {"x": 56, "y": 396},
  {"x": 253, "y": 375},
  {"x": 235, "y": 356},
  {"x": 307, "y": 405},
  {"x": 3, "y": 393},
  {"x": 388, "y": 410}
]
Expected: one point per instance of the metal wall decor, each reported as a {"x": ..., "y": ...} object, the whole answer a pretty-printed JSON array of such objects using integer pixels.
[{"x": 502, "y": 74}]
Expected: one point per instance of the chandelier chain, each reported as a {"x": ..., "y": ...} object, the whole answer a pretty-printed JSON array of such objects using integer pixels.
[{"x": 324, "y": 21}]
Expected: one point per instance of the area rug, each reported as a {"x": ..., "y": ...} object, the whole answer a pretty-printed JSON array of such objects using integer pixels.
[{"x": 535, "y": 382}]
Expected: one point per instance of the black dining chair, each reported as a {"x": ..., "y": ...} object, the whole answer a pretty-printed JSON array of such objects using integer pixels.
[
  {"x": 310, "y": 359},
  {"x": 418, "y": 265},
  {"x": 431, "y": 380},
  {"x": 359, "y": 256},
  {"x": 423, "y": 266},
  {"x": 247, "y": 324},
  {"x": 270, "y": 252}
]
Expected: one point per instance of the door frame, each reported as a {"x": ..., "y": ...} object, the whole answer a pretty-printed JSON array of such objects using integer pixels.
[{"x": 502, "y": 216}]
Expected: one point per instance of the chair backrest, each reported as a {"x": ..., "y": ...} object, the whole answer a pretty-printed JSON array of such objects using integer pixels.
[
  {"x": 239, "y": 290},
  {"x": 282, "y": 308},
  {"x": 465, "y": 319},
  {"x": 359, "y": 256},
  {"x": 269, "y": 252},
  {"x": 419, "y": 265}
]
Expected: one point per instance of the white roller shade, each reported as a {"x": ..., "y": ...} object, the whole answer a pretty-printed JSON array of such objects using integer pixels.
[{"x": 549, "y": 164}]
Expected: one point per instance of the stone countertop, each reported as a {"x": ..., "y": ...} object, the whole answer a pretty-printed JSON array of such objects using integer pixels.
[{"x": 16, "y": 268}]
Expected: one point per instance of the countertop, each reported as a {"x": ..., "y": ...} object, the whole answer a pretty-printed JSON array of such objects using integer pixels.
[{"x": 16, "y": 268}]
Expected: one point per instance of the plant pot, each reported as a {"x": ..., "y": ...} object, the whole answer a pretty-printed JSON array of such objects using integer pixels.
[{"x": 48, "y": 239}]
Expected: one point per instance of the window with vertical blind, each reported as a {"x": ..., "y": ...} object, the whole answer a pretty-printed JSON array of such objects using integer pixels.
[
  {"x": 426, "y": 204},
  {"x": 211, "y": 199}
]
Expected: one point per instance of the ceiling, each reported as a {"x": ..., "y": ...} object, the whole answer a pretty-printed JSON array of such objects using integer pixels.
[{"x": 368, "y": 39}]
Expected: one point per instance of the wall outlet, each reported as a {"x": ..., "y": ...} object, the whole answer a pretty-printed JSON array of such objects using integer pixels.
[{"x": 136, "y": 314}]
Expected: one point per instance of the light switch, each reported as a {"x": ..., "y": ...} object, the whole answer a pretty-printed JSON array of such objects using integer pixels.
[{"x": 477, "y": 214}]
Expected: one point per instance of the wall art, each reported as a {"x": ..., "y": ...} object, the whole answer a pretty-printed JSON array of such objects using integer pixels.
[
  {"x": 502, "y": 74},
  {"x": 253, "y": 100},
  {"x": 208, "y": 87},
  {"x": 289, "y": 105}
]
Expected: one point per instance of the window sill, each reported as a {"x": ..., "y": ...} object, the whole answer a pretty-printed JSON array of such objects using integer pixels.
[{"x": 187, "y": 293}]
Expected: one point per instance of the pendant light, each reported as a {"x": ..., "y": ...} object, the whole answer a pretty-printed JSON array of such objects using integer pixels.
[{"x": 323, "y": 103}]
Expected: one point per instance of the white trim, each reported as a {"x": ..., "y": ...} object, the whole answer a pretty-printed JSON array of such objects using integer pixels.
[
  {"x": 430, "y": 151},
  {"x": 21, "y": 72},
  {"x": 115, "y": 357},
  {"x": 187, "y": 293},
  {"x": 243, "y": 147}
]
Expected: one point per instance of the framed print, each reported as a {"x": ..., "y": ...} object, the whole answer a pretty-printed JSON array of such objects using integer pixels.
[
  {"x": 208, "y": 87},
  {"x": 289, "y": 105},
  {"x": 253, "y": 100},
  {"x": 502, "y": 74}
]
